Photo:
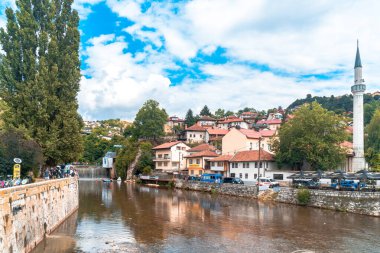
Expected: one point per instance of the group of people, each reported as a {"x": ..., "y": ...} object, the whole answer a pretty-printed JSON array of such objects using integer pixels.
[{"x": 60, "y": 171}]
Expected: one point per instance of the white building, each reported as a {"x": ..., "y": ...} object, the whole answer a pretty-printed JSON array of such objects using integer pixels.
[
  {"x": 358, "y": 161},
  {"x": 196, "y": 133},
  {"x": 233, "y": 122},
  {"x": 169, "y": 157}
]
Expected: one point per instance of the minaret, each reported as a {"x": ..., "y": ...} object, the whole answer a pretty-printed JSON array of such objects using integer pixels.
[{"x": 358, "y": 162}]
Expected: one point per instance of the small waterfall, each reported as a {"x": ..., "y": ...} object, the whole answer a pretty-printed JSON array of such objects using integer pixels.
[{"x": 91, "y": 172}]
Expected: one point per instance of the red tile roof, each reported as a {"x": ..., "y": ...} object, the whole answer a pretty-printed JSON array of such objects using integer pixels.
[
  {"x": 196, "y": 127},
  {"x": 202, "y": 147},
  {"x": 267, "y": 133},
  {"x": 250, "y": 134},
  {"x": 217, "y": 131},
  {"x": 167, "y": 145},
  {"x": 252, "y": 156},
  {"x": 226, "y": 121},
  {"x": 206, "y": 118},
  {"x": 221, "y": 158},
  {"x": 269, "y": 122},
  {"x": 248, "y": 113},
  {"x": 206, "y": 153}
]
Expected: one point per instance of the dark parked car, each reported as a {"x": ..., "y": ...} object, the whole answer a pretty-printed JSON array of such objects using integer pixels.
[
  {"x": 232, "y": 180},
  {"x": 193, "y": 178},
  {"x": 306, "y": 183}
]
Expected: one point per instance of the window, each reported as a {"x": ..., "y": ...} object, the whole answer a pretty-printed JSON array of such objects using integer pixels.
[
  {"x": 213, "y": 164},
  {"x": 192, "y": 172},
  {"x": 234, "y": 165},
  {"x": 269, "y": 147},
  {"x": 200, "y": 172},
  {"x": 166, "y": 156},
  {"x": 220, "y": 164},
  {"x": 159, "y": 164},
  {"x": 241, "y": 175},
  {"x": 191, "y": 161},
  {"x": 250, "y": 144},
  {"x": 246, "y": 165},
  {"x": 174, "y": 164},
  {"x": 266, "y": 164},
  {"x": 191, "y": 135},
  {"x": 255, "y": 176},
  {"x": 178, "y": 148},
  {"x": 232, "y": 174},
  {"x": 165, "y": 164},
  {"x": 246, "y": 175},
  {"x": 200, "y": 136},
  {"x": 278, "y": 176},
  {"x": 198, "y": 161},
  {"x": 256, "y": 164},
  {"x": 160, "y": 156}
]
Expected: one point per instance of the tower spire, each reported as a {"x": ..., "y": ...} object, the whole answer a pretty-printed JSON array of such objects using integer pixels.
[{"x": 358, "y": 62}]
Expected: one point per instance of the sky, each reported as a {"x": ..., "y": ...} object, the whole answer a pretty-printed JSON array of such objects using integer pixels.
[{"x": 226, "y": 54}]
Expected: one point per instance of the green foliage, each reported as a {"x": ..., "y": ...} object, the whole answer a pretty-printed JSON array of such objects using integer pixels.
[
  {"x": 170, "y": 184},
  {"x": 147, "y": 170},
  {"x": 125, "y": 157},
  {"x": 303, "y": 196},
  {"x": 150, "y": 120},
  {"x": 146, "y": 158},
  {"x": 16, "y": 144},
  {"x": 372, "y": 141},
  {"x": 219, "y": 113},
  {"x": 205, "y": 111},
  {"x": 313, "y": 136},
  {"x": 189, "y": 119},
  {"x": 369, "y": 111},
  {"x": 40, "y": 74}
]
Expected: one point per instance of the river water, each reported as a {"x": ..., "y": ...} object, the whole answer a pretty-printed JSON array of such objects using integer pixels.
[{"x": 119, "y": 217}]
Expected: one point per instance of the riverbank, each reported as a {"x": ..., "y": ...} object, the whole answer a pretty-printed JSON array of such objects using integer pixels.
[
  {"x": 29, "y": 212},
  {"x": 367, "y": 203}
]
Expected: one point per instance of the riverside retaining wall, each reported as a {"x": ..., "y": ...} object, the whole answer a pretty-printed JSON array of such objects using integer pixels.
[
  {"x": 347, "y": 201},
  {"x": 29, "y": 212},
  {"x": 226, "y": 189}
]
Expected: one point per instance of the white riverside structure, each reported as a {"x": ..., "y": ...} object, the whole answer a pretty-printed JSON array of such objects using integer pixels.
[{"x": 358, "y": 161}]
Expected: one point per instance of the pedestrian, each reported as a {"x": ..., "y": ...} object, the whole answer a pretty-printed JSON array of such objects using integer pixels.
[{"x": 46, "y": 174}]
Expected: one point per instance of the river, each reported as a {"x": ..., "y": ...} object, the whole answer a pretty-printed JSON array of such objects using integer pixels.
[{"x": 119, "y": 217}]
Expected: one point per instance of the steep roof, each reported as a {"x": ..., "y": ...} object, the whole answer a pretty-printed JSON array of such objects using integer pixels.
[
  {"x": 206, "y": 118},
  {"x": 250, "y": 134},
  {"x": 252, "y": 156},
  {"x": 217, "y": 131},
  {"x": 269, "y": 122},
  {"x": 358, "y": 62},
  {"x": 167, "y": 145},
  {"x": 196, "y": 127},
  {"x": 202, "y": 147},
  {"x": 206, "y": 153},
  {"x": 221, "y": 158}
]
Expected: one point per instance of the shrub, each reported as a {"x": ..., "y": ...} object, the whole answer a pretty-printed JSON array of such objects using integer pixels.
[
  {"x": 170, "y": 184},
  {"x": 303, "y": 197}
]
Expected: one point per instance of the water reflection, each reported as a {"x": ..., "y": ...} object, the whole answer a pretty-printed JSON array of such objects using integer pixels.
[{"x": 127, "y": 218}]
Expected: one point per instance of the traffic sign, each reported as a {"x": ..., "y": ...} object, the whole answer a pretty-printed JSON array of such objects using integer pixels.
[
  {"x": 17, "y": 160},
  {"x": 16, "y": 171}
]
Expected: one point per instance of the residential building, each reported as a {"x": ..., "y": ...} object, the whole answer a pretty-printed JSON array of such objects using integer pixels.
[
  {"x": 221, "y": 165},
  {"x": 249, "y": 117},
  {"x": 215, "y": 135},
  {"x": 231, "y": 122},
  {"x": 206, "y": 121},
  {"x": 109, "y": 163},
  {"x": 248, "y": 164},
  {"x": 200, "y": 148},
  {"x": 271, "y": 124},
  {"x": 195, "y": 133},
  {"x": 237, "y": 140},
  {"x": 199, "y": 162},
  {"x": 169, "y": 157},
  {"x": 172, "y": 123}
]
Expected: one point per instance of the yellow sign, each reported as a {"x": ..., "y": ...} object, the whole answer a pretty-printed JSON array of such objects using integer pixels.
[{"x": 16, "y": 170}]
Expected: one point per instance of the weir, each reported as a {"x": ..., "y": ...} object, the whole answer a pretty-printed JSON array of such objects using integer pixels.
[
  {"x": 29, "y": 212},
  {"x": 91, "y": 172}
]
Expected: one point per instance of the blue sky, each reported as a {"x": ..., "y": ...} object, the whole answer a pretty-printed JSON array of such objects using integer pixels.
[{"x": 224, "y": 53}]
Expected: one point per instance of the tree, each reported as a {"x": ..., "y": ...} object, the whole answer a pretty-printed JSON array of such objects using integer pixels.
[
  {"x": 205, "y": 111},
  {"x": 219, "y": 113},
  {"x": 146, "y": 158},
  {"x": 189, "y": 119},
  {"x": 373, "y": 140},
  {"x": 150, "y": 120},
  {"x": 369, "y": 110},
  {"x": 40, "y": 74},
  {"x": 15, "y": 144},
  {"x": 312, "y": 137}
]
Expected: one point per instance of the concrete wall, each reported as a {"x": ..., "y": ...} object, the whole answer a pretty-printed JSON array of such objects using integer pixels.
[
  {"x": 348, "y": 201},
  {"x": 28, "y": 212}
]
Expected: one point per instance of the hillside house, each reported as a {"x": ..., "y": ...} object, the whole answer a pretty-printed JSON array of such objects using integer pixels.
[{"x": 169, "y": 157}]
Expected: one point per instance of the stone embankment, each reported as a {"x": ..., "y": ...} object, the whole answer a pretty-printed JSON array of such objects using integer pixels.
[
  {"x": 29, "y": 212},
  {"x": 367, "y": 203}
]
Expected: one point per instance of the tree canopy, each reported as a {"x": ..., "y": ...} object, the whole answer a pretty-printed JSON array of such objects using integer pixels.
[
  {"x": 189, "y": 119},
  {"x": 205, "y": 111},
  {"x": 40, "y": 74},
  {"x": 150, "y": 120},
  {"x": 372, "y": 141},
  {"x": 312, "y": 137}
]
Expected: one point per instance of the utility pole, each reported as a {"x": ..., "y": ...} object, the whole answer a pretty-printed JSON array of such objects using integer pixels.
[{"x": 258, "y": 174}]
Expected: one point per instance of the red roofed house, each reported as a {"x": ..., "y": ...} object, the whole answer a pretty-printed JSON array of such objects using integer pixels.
[
  {"x": 272, "y": 124},
  {"x": 245, "y": 139},
  {"x": 221, "y": 165},
  {"x": 172, "y": 122},
  {"x": 169, "y": 157},
  {"x": 206, "y": 121},
  {"x": 245, "y": 164},
  {"x": 195, "y": 133},
  {"x": 249, "y": 117},
  {"x": 198, "y": 163},
  {"x": 200, "y": 148},
  {"x": 232, "y": 122},
  {"x": 215, "y": 135}
]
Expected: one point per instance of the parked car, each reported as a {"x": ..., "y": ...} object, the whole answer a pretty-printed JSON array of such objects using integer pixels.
[
  {"x": 306, "y": 183},
  {"x": 193, "y": 178},
  {"x": 232, "y": 180},
  {"x": 211, "y": 178},
  {"x": 268, "y": 182},
  {"x": 344, "y": 184}
]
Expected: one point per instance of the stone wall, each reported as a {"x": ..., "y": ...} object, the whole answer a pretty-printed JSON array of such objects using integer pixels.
[
  {"x": 348, "y": 201},
  {"x": 28, "y": 212},
  {"x": 226, "y": 189}
]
